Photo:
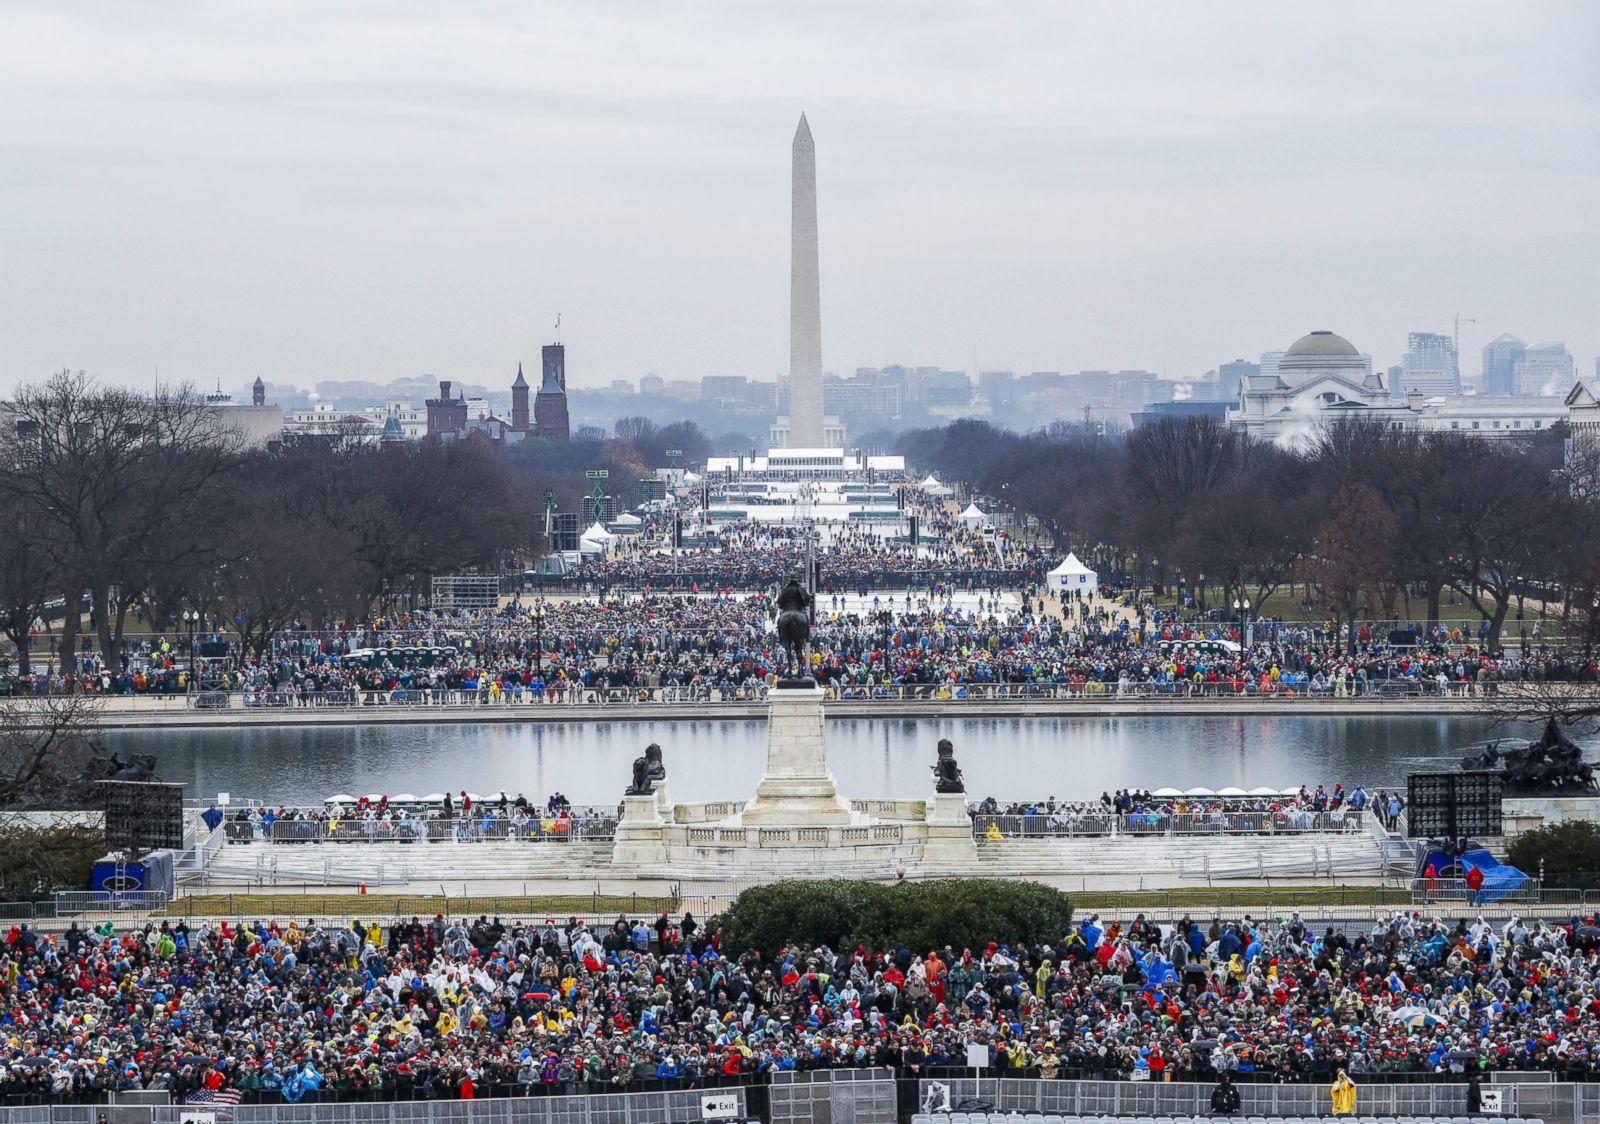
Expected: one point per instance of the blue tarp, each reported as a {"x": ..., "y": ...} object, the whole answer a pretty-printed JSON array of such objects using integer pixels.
[{"x": 1499, "y": 880}]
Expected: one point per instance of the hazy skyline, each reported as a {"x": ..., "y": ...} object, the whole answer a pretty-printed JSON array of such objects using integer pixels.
[{"x": 369, "y": 191}]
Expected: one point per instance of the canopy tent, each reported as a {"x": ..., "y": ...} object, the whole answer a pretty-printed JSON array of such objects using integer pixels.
[
  {"x": 598, "y": 533},
  {"x": 627, "y": 519},
  {"x": 973, "y": 516},
  {"x": 932, "y": 486},
  {"x": 1072, "y": 575},
  {"x": 590, "y": 546}
]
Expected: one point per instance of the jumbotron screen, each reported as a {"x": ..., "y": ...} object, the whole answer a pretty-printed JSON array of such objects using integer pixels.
[{"x": 1450, "y": 805}]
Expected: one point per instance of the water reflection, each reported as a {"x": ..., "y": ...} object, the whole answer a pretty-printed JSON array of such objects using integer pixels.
[{"x": 1011, "y": 758}]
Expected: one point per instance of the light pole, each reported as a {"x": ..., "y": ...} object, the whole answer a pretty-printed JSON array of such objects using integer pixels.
[
  {"x": 538, "y": 636},
  {"x": 191, "y": 618},
  {"x": 1243, "y": 609}
]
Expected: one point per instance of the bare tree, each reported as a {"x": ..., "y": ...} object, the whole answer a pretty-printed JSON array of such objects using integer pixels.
[
  {"x": 45, "y": 745},
  {"x": 1354, "y": 553},
  {"x": 122, "y": 481},
  {"x": 26, "y": 577}
]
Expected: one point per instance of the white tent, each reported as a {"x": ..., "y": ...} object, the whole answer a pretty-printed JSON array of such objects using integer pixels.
[
  {"x": 598, "y": 534},
  {"x": 589, "y": 546},
  {"x": 932, "y": 486},
  {"x": 628, "y": 519},
  {"x": 1074, "y": 575},
  {"x": 973, "y": 516}
]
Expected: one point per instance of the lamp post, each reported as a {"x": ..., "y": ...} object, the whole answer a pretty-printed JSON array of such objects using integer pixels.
[
  {"x": 538, "y": 636},
  {"x": 191, "y": 618},
  {"x": 1243, "y": 609}
]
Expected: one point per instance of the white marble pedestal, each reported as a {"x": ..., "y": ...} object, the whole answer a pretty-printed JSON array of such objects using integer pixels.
[
  {"x": 797, "y": 790},
  {"x": 641, "y": 832},
  {"x": 949, "y": 829}
]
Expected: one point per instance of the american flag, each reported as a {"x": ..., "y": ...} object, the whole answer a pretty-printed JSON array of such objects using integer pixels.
[{"x": 223, "y": 1100}]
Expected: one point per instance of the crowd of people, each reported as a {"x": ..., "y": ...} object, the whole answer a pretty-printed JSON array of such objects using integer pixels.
[
  {"x": 462, "y": 1009},
  {"x": 461, "y": 816},
  {"x": 752, "y": 555},
  {"x": 1133, "y": 811},
  {"x": 954, "y": 632},
  {"x": 701, "y": 646}
]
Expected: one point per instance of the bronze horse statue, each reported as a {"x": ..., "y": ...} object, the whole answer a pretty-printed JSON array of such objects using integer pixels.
[{"x": 794, "y": 627}]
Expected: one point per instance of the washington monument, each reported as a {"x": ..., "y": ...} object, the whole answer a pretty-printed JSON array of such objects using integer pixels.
[{"x": 805, "y": 302}]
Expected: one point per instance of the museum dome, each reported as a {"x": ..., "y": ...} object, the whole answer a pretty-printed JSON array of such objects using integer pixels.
[{"x": 1322, "y": 344}]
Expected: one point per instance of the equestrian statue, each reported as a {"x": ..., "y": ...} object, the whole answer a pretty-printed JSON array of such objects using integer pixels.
[{"x": 794, "y": 628}]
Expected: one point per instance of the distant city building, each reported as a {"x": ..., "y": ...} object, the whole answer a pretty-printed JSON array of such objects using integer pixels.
[
  {"x": 257, "y": 424},
  {"x": 1430, "y": 365},
  {"x": 1216, "y": 409},
  {"x": 455, "y": 417},
  {"x": 855, "y": 398},
  {"x": 520, "y": 415},
  {"x": 1231, "y": 375},
  {"x": 621, "y": 386},
  {"x": 447, "y": 416},
  {"x": 944, "y": 388},
  {"x": 1583, "y": 413},
  {"x": 1323, "y": 378},
  {"x": 652, "y": 384},
  {"x": 723, "y": 388},
  {"x": 1500, "y": 358},
  {"x": 1320, "y": 376},
  {"x": 1269, "y": 363},
  {"x": 998, "y": 387},
  {"x": 551, "y": 422},
  {"x": 1544, "y": 369}
]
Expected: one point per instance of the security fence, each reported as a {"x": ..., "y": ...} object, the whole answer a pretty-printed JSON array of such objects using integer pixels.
[
  {"x": 833, "y": 1096},
  {"x": 875, "y": 1097},
  {"x": 676, "y": 1106},
  {"x": 1563, "y": 1101}
]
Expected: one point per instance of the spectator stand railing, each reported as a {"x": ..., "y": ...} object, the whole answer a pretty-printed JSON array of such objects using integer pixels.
[
  {"x": 1437, "y": 1095},
  {"x": 1291, "y": 821},
  {"x": 319, "y": 826},
  {"x": 625, "y": 695}
]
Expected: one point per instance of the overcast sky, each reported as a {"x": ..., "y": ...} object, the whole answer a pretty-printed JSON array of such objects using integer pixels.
[{"x": 369, "y": 190}]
